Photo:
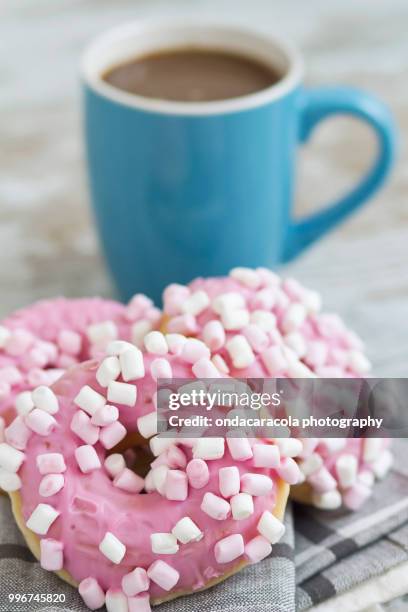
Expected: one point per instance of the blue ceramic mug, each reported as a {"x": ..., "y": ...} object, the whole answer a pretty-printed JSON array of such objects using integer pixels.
[{"x": 184, "y": 189}]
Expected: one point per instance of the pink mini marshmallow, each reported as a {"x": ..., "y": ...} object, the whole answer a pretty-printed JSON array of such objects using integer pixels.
[
  {"x": 176, "y": 485},
  {"x": 229, "y": 548},
  {"x": 140, "y": 603},
  {"x": 87, "y": 458},
  {"x": 51, "y": 463},
  {"x": 128, "y": 481},
  {"x": 69, "y": 342},
  {"x": 239, "y": 448},
  {"x": 229, "y": 481},
  {"x": 175, "y": 342},
  {"x": 17, "y": 433},
  {"x": 316, "y": 354},
  {"x": 266, "y": 455},
  {"x": 257, "y": 549},
  {"x": 213, "y": 335},
  {"x": 114, "y": 464},
  {"x": 137, "y": 306},
  {"x": 112, "y": 434},
  {"x": 81, "y": 426},
  {"x": 256, "y": 484},
  {"x": 289, "y": 470},
  {"x": 105, "y": 415},
  {"x": 40, "y": 422},
  {"x": 51, "y": 484},
  {"x": 355, "y": 496},
  {"x": 216, "y": 507},
  {"x": 274, "y": 360},
  {"x": 322, "y": 481},
  {"x": 51, "y": 554},
  {"x": 5, "y": 390},
  {"x": 263, "y": 300},
  {"x": 174, "y": 297},
  {"x": 204, "y": 368},
  {"x": 37, "y": 377},
  {"x": 18, "y": 343},
  {"x": 135, "y": 582},
  {"x": 175, "y": 457},
  {"x": 183, "y": 324},
  {"x": 35, "y": 358},
  {"x": 197, "y": 473},
  {"x": 10, "y": 375},
  {"x": 256, "y": 337},
  {"x": 193, "y": 350},
  {"x": 160, "y": 368},
  {"x": 91, "y": 593},
  {"x": 162, "y": 574}
]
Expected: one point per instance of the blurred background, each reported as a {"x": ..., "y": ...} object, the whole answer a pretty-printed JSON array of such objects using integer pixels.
[{"x": 48, "y": 244}]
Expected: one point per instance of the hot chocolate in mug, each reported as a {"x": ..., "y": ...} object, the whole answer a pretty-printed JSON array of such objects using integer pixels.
[{"x": 183, "y": 189}]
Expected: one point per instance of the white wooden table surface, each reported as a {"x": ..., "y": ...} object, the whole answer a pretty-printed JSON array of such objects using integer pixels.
[{"x": 47, "y": 241}]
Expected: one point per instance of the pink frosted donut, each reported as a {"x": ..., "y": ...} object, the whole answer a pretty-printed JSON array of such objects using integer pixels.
[
  {"x": 258, "y": 325},
  {"x": 206, "y": 508},
  {"x": 38, "y": 343}
]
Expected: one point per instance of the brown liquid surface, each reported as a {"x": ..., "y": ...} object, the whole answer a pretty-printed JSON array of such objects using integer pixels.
[{"x": 192, "y": 75}]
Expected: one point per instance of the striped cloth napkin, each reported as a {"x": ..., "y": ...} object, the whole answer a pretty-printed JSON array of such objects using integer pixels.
[{"x": 321, "y": 557}]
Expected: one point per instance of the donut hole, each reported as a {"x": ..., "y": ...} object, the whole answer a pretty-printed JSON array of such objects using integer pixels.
[{"x": 136, "y": 452}]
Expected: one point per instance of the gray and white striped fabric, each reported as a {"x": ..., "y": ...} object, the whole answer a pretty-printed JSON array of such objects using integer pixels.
[{"x": 321, "y": 555}]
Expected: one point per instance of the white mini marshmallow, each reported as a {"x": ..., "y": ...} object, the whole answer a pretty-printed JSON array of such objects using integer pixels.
[
  {"x": 164, "y": 543},
  {"x": 240, "y": 351},
  {"x": 114, "y": 464},
  {"x": 112, "y": 548},
  {"x": 158, "y": 477},
  {"x": 216, "y": 507},
  {"x": 346, "y": 468},
  {"x": 242, "y": 506},
  {"x": 270, "y": 527},
  {"x": 116, "y": 347},
  {"x": 24, "y": 403},
  {"x": 246, "y": 276},
  {"x": 42, "y": 518},
  {"x": 132, "y": 364},
  {"x": 116, "y": 601},
  {"x": 108, "y": 370},
  {"x": 235, "y": 319},
  {"x": 10, "y": 458},
  {"x": 227, "y": 301},
  {"x": 175, "y": 342},
  {"x": 45, "y": 399},
  {"x": 209, "y": 448},
  {"x": 294, "y": 317},
  {"x": 185, "y": 530},
  {"x": 9, "y": 481},
  {"x": 159, "y": 444},
  {"x": 147, "y": 424},
  {"x": 122, "y": 393},
  {"x": 311, "y": 464},
  {"x": 358, "y": 362},
  {"x": 139, "y": 330},
  {"x": 100, "y": 334},
  {"x": 4, "y": 336},
  {"x": 155, "y": 343},
  {"x": 195, "y": 303},
  {"x": 264, "y": 319},
  {"x": 383, "y": 464},
  {"x": 331, "y": 500},
  {"x": 371, "y": 449},
  {"x": 89, "y": 400},
  {"x": 289, "y": 447}
]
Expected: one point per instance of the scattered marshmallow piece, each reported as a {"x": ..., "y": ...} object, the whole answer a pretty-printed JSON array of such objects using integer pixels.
[
  {"x": 81, "y": 426},
  {"x": 89, "y": 400},
  {"x": 87, "y": 458},
  {"x": 100, "y": 334},
  {"x": 346, "y": 469},
  {"x": 256, "y": 484},
  {"x": 257, "y": 549},
  {"x": 122, "y": 393},
  {"x": 195, "y": 303},
  {"x": 235, "y": 319},
  {"x": 108, "y": 370},
  {"x": 274, "y": 360},
  {"x": 116, "y": 601},
  {"x": 266, "y": 456},
  {"x": 17, "y": 433},
  {"x": 264, "y": 319},
  {"x": 289, "y": 447},
  {"x": 105, "y": 415},
  {"x": 42, "y": 518},
  {"x": 311, "y": 464},
  {"x": 355, "y": 496},
  {"x": 45, "y": 399},
  {"x": 294, "y": 317},
  {"x": 140, "y": 603},
  {"x": 51, "y": 484},
  {"x": 193, "y": 350},
  {"x": 270, "y": 527},
  {"x": 132, "y": 364},
  {"x": 197, "y": 473},
  {"x": 91, "y": 593},
  {"x": 242, "y": 506},
  {"x": 257, "y": 338},
  {"x": 159, "y": 476},
  {"x": 155, "y": 343},
  {"x": 139, "y": 330},
  {"x": 11, "y": 459},
  {"x": 128, "y": 481},
  {"x": 220, "y": 364},
  {"x": 213, "y": 335},
  {"x": 9, "y": 481},
  {"x": 135, "y": 582},
  {"x": 289, "y": 471},
  {"x": 112, "y": 548},
  {"x": 185, "y": 530},
  {"x": 159, "y": 444},
  {"x": 322, "y": 481},
  {"x": 176, "y": 485},
  {"x": 383, "y": 464},
  {"x": 112, "y": 434},
  {"x": 4, "y": 336},
  {"x": 69, "y": 342},
  {"x": 246, "y": 276},
  {"x": 330, "y": 500},
  {"x": 228, "y": 301},
  {"x": 162, "y": 574},
  {"x": 40, "y": 422},
  {"x": 229, "y": 548},
  {"x": 51, "y": 463},
  {"x": 216, "y": 507},
  {"x": 114, "y": 464},
  {"x": 147, "y": 424},
  {"x": 239, "y": 448},
  {"x": 164, "y": 544},
  {"x": 175, "y": 342},
  {"x": 358, "y": 362},
  {"x": 240, "y": 351},
  {"x": 371, "y": 449},
  {"x": 51, "y": 554},
  {"x": 209, "y": 448},
  {"x": 18, "y": 342},
  {"x": 160, "y": 368},
  {"x": 229, "y": 481},
  {"x": 24, "y": 403},
  {"x": 205, "y": 368}
]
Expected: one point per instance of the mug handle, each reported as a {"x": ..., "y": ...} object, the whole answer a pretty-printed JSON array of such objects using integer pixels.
[{"x": 315, "y": 105}]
